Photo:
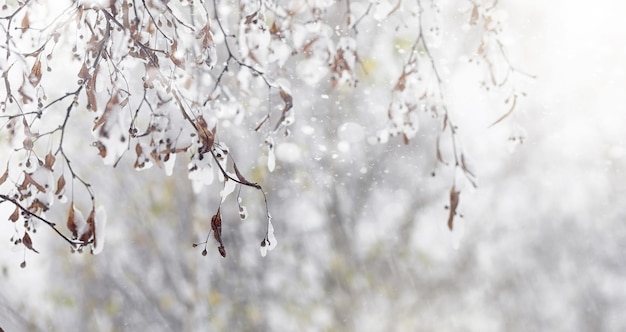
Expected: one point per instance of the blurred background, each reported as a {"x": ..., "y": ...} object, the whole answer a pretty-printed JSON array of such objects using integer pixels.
[{"x": 363, "y": 243}]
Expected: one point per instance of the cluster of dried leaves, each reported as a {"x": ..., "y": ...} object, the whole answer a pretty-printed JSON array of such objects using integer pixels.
[
  {"x": 159, "y": 77},
  {"x": 142, "y": 68},
  {"x": 419, "y": 89},
  {"x": 156, "y": 76}
]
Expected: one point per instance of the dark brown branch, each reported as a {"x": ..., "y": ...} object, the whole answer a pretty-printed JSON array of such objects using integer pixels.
[{"x": 49, "y": 223}]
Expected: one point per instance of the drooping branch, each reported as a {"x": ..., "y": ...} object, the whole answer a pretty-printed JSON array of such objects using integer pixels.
[{"x": 52, "y": 225}]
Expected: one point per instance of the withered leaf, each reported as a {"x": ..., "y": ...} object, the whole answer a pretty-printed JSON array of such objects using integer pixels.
[
  {"x": 60, "y": 185},
  {"x": 92, "y": 103},
  {"x": 27, "y": 131},
  {"x": 401, "y": 83},
  {"x": 91, "y": 221},
  {"x": 15, "y": 215},
  {"x": 115, "y": 100},
  {"x": 155, "y": 156},
  {"x": 275, "y": 30},
  {"x": 481, "y": 48},
  {"x": 252, "y": 18},
  {"x": 208, "y": 36},
  {"x": 86, "y": 236},
  {"x": 28, "y": 243},
  {"x": 28, "y": 179},
  {"x": 222, "y": 250},
  {"x": 474, "y": 17},
  {"x": 405, "y": 139},
  {"x": 35, "y": 73},
  {"x": 25, "y": 22},
  {"x": 139, "y": 163},
  {"x": 84, "y": 72},
  {"x": 102, "y": 149},
  {"x": 288, "y": 100},
  {"x": 206, "y": 136},
  {"x": 216, "y": 226},
  {"x": 37, "y": 206},
  {"x": 439, "y": 155},
  {"x": 4, "y": 176},
  {"x": 454, "y": 203},
  {"x": 28, "y": 144},
  {"x": 26, "y": 96},
  {"x": 180, "y": 63},
  {"x": 49, "y": 161},
  {"x": 70, "y": 222}
]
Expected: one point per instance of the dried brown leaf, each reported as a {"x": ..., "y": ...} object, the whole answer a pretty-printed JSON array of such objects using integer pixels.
[
  {"x": 438, "y": 151},
  {"x": 454, "y": 203},
  {"x": 401, "y": 83},
  {"x": 102, "y": 149},
  {"x": 70, "y": 221},
  {"x": 25, "y": 22},
  {"x": 91, "y": 221},
  {"x": 27, "y": 131},
  {"x": 252, "y": 18},
  {"x": 35, "y": 73},
  {"x": 113, "y": 101},
  {"x": 275, "y": 30},
  {"x": 28, "y": 179},
  {"x": 474, "y": 17},
  {"x": 207, "y": 136},
  {"x": 92, "y": 103},
  {"x": 37, "y": 206},
  {"x": 139, "y": 151},
  {"x": 28, "y": 242},
  {"x": 179, "y": 62},
  {"x": 216, "y": 226},
  {"x": 4, "y": 176},
  {"x": 405, "y": 139},
  {"x": 60, "y": 185},
  {"x": 126, "y": 15},
  {"x": 84, "y": 72},
  {"x": 15, "y": 215},
  {"x": 288, "y": 100},
  {"x": 28, "y": 143},
  {"x": 49, "y": 161}
]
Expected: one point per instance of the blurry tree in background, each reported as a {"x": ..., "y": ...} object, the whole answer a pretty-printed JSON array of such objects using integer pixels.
[{"x": 339, "y": 110}]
